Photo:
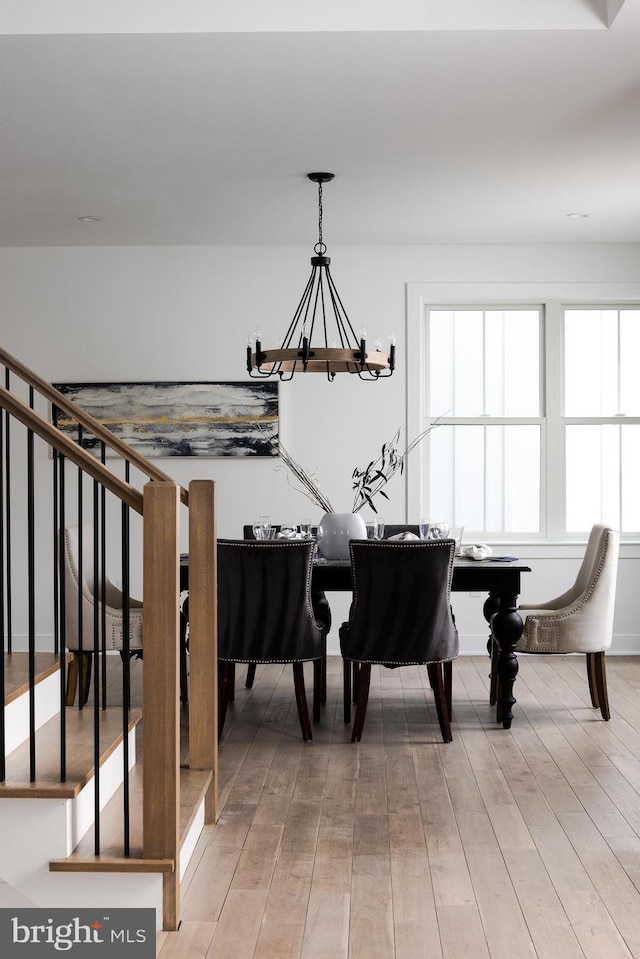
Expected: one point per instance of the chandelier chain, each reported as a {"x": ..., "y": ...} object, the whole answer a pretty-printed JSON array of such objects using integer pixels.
[{"x": 319, "y": 212}]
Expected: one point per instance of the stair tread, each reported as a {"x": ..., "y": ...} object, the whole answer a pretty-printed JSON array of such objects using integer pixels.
[
  {"x": 193, "y": 785},
  {"x": 16, "y": 672},
  {"x": 80, "y": 755}
]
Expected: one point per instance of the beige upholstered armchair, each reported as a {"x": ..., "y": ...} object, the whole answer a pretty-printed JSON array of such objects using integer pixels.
[
  {"x": 90, "y": 597},
  {"x": 580, "y": 620}
]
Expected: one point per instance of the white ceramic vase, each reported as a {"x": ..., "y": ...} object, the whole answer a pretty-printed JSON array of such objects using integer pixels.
[{"x": 337, "y": 530}]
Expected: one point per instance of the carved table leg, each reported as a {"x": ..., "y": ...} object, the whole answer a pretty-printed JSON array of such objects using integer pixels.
[
  {"x": 506, "y": 629},
  {"x": 491, "y": 606}
]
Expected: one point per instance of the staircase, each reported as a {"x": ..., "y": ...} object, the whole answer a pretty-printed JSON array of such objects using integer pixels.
[
  {"x": 47, "y": 826},
  {"x": 92, "y": 813}
]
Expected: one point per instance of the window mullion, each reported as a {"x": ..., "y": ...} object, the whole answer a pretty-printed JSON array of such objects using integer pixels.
[{"x": 554, "y": 453}]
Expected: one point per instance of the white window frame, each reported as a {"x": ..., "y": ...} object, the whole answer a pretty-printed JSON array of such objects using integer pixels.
[
  {"x": 496, "y": 420},
  {"x": 552, "y": 298}
]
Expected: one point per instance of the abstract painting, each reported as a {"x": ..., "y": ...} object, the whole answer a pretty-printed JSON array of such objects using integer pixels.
[{"x": 178, "y": 419}]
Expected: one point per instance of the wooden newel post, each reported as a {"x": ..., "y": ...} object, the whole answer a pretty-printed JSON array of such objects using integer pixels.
[
  {"x": 203, "y": 637},
  {"x": 161, "y": 598}
]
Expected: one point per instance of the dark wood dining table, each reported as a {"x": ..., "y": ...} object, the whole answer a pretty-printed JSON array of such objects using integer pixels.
[{"x": 499, "y": 579}]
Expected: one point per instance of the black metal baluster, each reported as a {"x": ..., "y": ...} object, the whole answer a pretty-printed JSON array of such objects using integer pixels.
[
  {"x": 126, "y": 654},
  {"x": 56, "y": 571},
  {"x": 7, "y": 440},
  {"x": 31, "y": 595},
  {"x": 63, "y": 621},
  {"x": 96, "y": 659},
  {"x": 81, "y": 670},
  {"x": 3, "y": 479},
  {"x": 103, "y": 578}
]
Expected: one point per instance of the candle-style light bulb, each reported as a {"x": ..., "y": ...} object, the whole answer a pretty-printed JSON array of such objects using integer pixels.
[
  {"x": 377, "y": 345},
  {"x": 392, "y": 350}
]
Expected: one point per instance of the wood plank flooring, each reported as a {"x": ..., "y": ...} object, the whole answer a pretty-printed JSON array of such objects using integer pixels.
[{"x": 518, "y": 844}]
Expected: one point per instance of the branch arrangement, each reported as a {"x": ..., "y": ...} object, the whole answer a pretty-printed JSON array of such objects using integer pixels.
[
  {"x": 308, "y": 485},
  {"x": 366, "y": 483}
]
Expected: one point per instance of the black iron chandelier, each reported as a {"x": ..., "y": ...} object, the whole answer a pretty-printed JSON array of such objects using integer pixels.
[{"x": 320, "y": 312}]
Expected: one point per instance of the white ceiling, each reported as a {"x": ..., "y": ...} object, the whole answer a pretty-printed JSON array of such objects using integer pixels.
[{"x": 457, "y": 121}]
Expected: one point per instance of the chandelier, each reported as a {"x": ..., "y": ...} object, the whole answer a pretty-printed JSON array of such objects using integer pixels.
[{"x": 320, "y": 314}]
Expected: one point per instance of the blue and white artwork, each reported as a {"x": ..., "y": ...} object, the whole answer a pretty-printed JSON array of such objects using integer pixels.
[{"x": 178, "y": 419}]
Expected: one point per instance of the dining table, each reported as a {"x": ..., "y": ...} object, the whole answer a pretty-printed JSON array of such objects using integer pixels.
[{"x": 497, "y": 578}]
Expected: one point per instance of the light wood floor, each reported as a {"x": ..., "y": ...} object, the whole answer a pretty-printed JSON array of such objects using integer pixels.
[{"x": 502, "y": 844}]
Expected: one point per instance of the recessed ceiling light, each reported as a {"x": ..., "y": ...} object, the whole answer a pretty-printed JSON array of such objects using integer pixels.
[
  {"x": 90, "y": 219},
  {"x": 577, "y": 216}
]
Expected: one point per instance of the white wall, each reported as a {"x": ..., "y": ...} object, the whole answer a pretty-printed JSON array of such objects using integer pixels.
[{"x": 177, "y": 313}]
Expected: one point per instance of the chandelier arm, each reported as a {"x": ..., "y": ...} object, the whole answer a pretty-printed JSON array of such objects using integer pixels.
[
  {"x": 324, "y": 315},
  {"x": 317, "y": 292},
  {"x": 335, "y": 293},
  {"x": 298, "y": 312},
  {"x": 342, "y": 327}
]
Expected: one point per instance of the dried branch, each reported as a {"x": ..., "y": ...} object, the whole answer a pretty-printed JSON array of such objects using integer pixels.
[
  {"x": 308, "y": 485},
  {"x": 368, "y": 483}
]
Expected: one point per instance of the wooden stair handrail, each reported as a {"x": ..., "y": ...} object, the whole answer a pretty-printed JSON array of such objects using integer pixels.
[
  {"x": 97, "y": 470},
  {"x": 85, "y": 419}
]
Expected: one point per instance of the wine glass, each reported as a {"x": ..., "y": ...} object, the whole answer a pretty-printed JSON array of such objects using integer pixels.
[
  {"x": 425, "y": 528},
  {"x": 316, "y": 536},
  {"x": 378, "y": 528},
  {"x": 304, "y": 527},
  {"x": 262, "y": 527}
]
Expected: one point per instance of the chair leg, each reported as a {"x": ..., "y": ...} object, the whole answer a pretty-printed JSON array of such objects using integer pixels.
[
  {"x": 251, "y": 675},
  {"x": 231, "y": 693},
  {"x": 301, "y": 701},
  {"x": 72, "y": 677},
  {"x": 346, "y": 689},
  {"x": 324, "y": 673},
  {"x": 440, "y": 697},
  {"x": 591, "y": 676},
  {"x": 364, "y": 681},
  {"x": 225, "y": 678},
  {"x": 184, "y": 681},
  {"x": 79, "y": 669},
  {"x": 317, "y": 688},
  {"x": 601, "y": 684},
  {"x": 447, "y": 669}
]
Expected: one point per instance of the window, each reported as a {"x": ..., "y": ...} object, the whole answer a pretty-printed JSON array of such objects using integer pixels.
[
  {"x": 528, "y": 443},
  {"x": 602, "y": 416},
  {"x": 490, "y": 406}
]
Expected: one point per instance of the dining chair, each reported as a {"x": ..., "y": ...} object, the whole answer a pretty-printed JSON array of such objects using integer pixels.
[
  {"x": 265, "y": 615},
  {"x": 321, "y": 611},
  {"x": 394, "y": 529},
  {"x": 400, "y": 616},
  {"x": 80, "y": 615},
  {"x": 578, "y": 621}
]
